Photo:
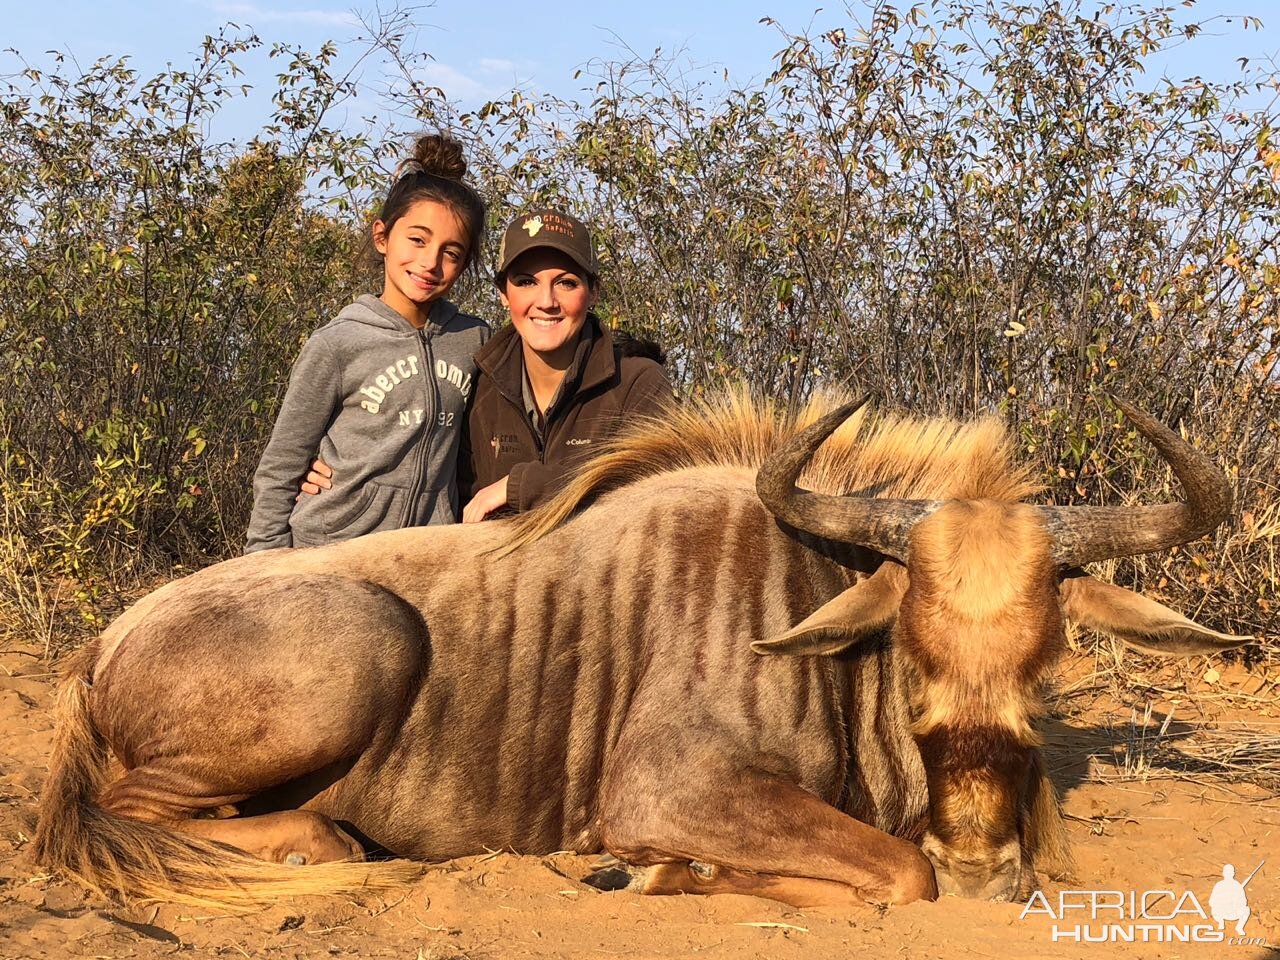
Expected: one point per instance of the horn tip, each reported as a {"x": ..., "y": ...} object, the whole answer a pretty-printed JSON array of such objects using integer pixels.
[
  {"x": 1144, "y": 421},
  {"x": 853, "y": 406},
  {"x": 1125, "y": 406}
]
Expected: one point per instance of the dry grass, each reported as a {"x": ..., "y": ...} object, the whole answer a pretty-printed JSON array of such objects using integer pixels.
[
  {"x": 1236, "y": 754},
  {"x": 29, "y": 603},
  {"x": 1157, "y": 743}
]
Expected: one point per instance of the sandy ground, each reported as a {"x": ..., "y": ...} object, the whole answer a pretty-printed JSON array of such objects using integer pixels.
[{"x": 1131, "y": 833}]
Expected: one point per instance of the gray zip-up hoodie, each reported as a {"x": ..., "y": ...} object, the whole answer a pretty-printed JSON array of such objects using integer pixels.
[{"x": 383, "y": 404}]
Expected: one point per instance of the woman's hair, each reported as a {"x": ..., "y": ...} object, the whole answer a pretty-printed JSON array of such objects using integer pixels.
[
  {"x": 629, "y": 345},
  {"x": 435, "y": 172}
]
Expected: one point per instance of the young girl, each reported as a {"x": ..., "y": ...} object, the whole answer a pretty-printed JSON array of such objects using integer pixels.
[{"x": 380, "y": 392}]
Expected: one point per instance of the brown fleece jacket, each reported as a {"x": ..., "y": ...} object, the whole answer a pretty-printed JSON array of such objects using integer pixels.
[{"x": 602, "y": 389}]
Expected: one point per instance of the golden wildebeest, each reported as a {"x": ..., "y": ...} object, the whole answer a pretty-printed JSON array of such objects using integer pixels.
[{"x": 590, "y": 676}]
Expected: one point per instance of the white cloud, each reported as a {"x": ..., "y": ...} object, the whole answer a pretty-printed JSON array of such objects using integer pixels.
[
  {"x": 497, "y": 66},
  {"x": 255, "y": 14},
  {"x": 456, "y": 84}
]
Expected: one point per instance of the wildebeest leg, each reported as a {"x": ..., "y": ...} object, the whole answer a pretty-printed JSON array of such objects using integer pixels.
[
  {"x": 271, "y": 704},
  {"x": 173, "y": 791},
  {"x": 665, "y": 879},
  {"x": 686, "y": 876},
  {"x": 748, "y": 831},
  {"x": 291, "y": 836}
]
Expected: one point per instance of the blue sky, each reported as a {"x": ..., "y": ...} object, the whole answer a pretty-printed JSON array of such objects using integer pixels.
[{"x": 482, "y": 49}]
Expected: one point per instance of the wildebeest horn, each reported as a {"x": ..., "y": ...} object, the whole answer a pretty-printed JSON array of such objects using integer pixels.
[
  {"x": 882, "y": 525},
  {"x": 1084, "y": 534}
]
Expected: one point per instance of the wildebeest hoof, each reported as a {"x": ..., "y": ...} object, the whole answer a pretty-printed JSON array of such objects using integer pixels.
[
  {"x": 609, "y": 879},
  {"x": 296, "y": 859}
]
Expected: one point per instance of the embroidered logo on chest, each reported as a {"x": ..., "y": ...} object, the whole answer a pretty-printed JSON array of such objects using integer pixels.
[{"x": 504, "y": 443}]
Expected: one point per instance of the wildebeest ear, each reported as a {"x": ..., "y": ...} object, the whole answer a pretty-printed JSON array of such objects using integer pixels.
[
  {"x": 1140, "y": 623},
  {"x": 863, "y": 610}
]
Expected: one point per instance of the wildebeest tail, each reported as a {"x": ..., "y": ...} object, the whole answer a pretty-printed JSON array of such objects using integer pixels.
[{"x": 118, "y": 857}]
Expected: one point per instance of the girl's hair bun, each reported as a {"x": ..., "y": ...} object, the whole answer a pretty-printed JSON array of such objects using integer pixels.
[{"x": 440, "y": 156}]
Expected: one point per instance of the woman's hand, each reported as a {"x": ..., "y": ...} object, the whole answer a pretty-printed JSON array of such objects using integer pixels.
[
  {"x": 490, "y": 498},
  {"x": 319, "y": 477}
]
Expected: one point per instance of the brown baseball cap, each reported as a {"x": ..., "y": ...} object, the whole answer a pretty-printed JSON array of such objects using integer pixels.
[{"x": 545, "y": 227}]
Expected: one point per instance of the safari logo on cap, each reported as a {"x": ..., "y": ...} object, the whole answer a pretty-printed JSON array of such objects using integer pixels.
[{"x": 546, "y": 228}]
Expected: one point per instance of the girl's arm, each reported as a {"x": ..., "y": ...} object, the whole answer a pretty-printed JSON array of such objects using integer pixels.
[{"x": 312, "y": 400}]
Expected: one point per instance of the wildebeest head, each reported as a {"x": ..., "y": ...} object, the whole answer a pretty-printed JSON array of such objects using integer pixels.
[{"x": 977, "y": 593}]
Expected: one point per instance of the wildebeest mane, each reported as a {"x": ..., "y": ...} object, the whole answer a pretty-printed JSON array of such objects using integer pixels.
[{"x": 872, "y": 454}]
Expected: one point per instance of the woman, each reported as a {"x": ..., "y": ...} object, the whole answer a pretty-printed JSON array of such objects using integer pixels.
[
  {"x": 553, "y": 385},
  {"x": 381, "y": 391}
]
